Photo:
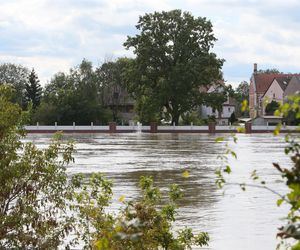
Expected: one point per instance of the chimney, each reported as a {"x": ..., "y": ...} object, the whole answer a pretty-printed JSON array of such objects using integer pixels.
[{"x": 255, "y": 68}]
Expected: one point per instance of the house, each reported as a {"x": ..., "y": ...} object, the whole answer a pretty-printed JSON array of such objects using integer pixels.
[
  {"x": 259, "y": 85},
  {"x": 293, "y": 87},
  {"x": 228, "y": 107},
  {"x": 267, "y": 120},
  {"x": 275, "y": 92},
  {"x": 116, "y": 97}
]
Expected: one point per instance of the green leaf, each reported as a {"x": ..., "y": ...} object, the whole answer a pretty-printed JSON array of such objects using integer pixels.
[
  {"x": 244, "y": 105},
  {"x": 296, "y": 246},
  {"x": 235, "y": 139},
  {"x": 122, "y": 198},
  {"x": 219, "y": 139},
  {"x": 277, "y": 129},
  {"x": 241, "y": 130},
  {"x": 277, "y": 113},
  {"x": 185, "y": 174},
  {"x": 233, "y": 154},
  {"x": 279, "y": 202},
  {"x": 227, "y": 169}
]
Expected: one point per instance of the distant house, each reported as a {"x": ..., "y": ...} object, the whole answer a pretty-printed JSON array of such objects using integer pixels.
[
  {"x": 275, "y": 92},
  {"x": 293, "y": 87},
  {"x": 228, "y": 107},
  {"x": 259, "y": 85},
  {"x": 120, "y": 103}
]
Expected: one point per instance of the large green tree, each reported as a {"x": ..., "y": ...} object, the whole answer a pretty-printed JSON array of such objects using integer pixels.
[{"x": 173, "y": 60}]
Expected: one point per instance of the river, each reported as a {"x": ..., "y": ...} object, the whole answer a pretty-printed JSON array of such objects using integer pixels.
[{"x": 234, "y": 219}]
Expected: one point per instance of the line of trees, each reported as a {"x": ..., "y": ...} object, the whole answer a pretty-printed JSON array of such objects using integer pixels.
[{"x": 83, "y": 95}]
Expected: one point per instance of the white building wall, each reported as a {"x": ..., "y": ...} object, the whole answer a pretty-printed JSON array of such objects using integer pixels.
[
  {"x": 227, "y": 111},
  {"x": 207, "y": 111},
  {"x": 225, "y": 115}
]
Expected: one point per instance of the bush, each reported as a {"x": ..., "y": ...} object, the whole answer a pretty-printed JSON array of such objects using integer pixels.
[
  {"x": 191, "y": 117},
  {"x": 272, "y": 107},
  {"x": 141, "y": 224},
  {"x": 34, "y": 185}
]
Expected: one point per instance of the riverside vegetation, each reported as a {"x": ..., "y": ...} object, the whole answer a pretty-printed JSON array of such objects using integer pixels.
[{"x": 43, "y": 208}]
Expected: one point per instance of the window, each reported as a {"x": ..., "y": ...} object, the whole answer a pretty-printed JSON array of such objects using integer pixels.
[
  {"x": 273, "y": 95},
  {"x": 228, "y": 109}
]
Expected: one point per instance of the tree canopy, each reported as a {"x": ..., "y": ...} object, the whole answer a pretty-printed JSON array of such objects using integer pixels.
[
  {"x": 269, "y": 71},
  {"x": 113, "y": 89},
  {"x": 241, "y": 94},
  {"x": 242, "y": 91},
  {"x": 17, "y": 76},
  {"x": 73, "y": 97},
  {"x": 173, "y": 60}
]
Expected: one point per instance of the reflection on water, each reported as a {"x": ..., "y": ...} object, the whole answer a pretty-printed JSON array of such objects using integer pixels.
[{"x": 234, "y": 219}]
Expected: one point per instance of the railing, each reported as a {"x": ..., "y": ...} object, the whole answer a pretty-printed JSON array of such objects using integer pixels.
[
  {"x": 226, "y": 128},
  {"x": 272, "y": 128},
  {"x": 65, "y": 128},
  {"x": 153, "y": 128},
  {"x": 181, "y": 128}
]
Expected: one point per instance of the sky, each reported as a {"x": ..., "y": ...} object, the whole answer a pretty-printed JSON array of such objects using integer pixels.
[{"x": 54, "y": 35}]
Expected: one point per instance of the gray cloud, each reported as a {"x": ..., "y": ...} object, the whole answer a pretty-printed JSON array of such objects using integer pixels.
[{"x": 55, "y": 35}]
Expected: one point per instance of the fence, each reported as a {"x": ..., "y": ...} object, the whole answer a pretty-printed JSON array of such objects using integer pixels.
[{"x": 154, "y": 128}]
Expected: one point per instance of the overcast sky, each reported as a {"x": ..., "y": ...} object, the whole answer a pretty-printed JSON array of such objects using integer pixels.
[{"x": 54, "y": 35}]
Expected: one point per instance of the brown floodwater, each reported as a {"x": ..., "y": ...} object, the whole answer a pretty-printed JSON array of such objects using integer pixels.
[{"x": 234, "y": 219}]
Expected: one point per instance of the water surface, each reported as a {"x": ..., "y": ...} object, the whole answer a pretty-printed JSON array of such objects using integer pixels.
[{"x": 234, "y": 219}]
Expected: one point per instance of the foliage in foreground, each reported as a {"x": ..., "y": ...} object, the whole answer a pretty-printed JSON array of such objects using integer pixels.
[
  {"x": 42, "y": 208},
  {"x": 34, "y": 186},
  {"x": 290, "y": 176},
  {"x": 142, "y": 224}
]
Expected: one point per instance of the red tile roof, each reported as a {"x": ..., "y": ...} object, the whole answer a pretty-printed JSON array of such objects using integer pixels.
[{"x": 263, "y": 81}]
